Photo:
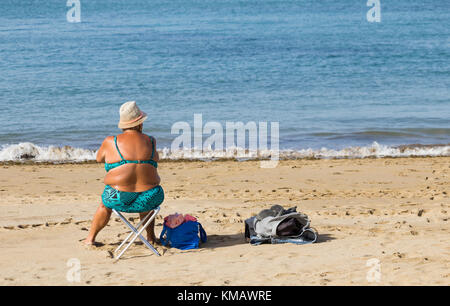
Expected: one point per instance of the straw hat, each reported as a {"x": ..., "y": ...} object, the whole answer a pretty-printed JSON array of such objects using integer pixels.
[{"x": 130, "y": 115}]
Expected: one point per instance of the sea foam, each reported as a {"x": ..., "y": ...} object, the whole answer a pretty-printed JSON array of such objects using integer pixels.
[
  {"x": 27, "y": 151},
  {"x": 31, "y": 152}
]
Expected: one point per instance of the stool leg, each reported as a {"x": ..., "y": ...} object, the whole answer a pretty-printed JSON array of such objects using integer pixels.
[
  {"x": 137, "y": 233},
  {"x": 129, "y": 225}
]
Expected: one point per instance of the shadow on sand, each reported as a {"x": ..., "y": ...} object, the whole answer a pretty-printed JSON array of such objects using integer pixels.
[
  {"x": 325, "y": 238},
  {"x": 220, "y": 241}
]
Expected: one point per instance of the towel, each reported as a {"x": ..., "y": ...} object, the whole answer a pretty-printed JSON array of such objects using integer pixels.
[{"x": 177, "y": 219}]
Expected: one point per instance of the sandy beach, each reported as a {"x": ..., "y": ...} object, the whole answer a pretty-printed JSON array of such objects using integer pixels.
[{"x": 395, "y": 210}]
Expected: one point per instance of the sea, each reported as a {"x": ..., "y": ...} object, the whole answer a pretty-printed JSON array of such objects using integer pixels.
[{"x": 337, "y": 83}]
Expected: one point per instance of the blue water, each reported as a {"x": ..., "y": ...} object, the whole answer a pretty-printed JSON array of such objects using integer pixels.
[{"x": 320, "y": 68}]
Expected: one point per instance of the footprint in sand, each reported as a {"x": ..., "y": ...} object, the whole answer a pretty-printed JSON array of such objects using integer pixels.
[
  {"x": 325, "y": 281},
  {"x": 399, "y": 255},
  {"x": 284, "y": 275}
]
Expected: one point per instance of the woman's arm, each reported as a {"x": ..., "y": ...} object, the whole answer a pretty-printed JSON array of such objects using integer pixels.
[
  {"x": 156, "y": 155},
  {"x": 101, "y": 153}
]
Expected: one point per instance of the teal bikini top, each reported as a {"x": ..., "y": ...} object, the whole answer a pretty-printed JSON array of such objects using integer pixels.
[{"x": 124, "y": 161}]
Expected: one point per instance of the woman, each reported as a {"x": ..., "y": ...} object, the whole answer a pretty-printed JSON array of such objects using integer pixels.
[{"x": 132, "y": 180}]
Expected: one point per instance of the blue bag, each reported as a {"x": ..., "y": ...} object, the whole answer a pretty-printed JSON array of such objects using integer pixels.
[{"x": 184, "y": 236}]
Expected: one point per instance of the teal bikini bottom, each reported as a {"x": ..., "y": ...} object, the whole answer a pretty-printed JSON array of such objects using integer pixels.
[{"x": 132, "y": 202}]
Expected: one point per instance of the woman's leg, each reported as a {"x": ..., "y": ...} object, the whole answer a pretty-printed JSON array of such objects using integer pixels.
[
  {"x": 150, "y": 198},
  {"x": 151, "y": 227},
  {"x": 101, "y": 218}
]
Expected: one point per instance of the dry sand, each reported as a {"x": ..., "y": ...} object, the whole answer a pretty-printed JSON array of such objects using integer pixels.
[{"x": 393, "y": 210}]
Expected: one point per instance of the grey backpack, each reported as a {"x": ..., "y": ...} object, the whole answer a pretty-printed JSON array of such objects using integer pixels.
[{"x": 277, "y": 225}]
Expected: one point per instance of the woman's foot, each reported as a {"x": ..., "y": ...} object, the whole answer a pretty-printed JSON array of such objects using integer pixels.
[
  {"x": 90, "y": 245},
  {"x": 90, "y": 242}
]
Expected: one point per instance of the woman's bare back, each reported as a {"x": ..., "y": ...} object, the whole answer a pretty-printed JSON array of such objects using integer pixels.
[{"x": 130, "y": 177}]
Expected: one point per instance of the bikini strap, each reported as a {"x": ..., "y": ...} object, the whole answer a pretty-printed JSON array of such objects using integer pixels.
[
  {"x": 153, "y": 147},
  {"x": 117, "y": 147}
]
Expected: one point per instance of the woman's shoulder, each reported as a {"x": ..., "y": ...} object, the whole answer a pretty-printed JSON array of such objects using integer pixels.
[
  {"x": 151, "y": 138},
  {"x": 108, "y": 140}
]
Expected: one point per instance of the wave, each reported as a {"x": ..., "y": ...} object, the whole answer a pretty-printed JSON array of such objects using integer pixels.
[
  {"x": 373, "y": 151},
  {"x": 29, "y": 152}
]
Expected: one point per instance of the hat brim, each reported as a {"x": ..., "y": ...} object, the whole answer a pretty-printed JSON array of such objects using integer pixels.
[{"x": 133, "y": 124}]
